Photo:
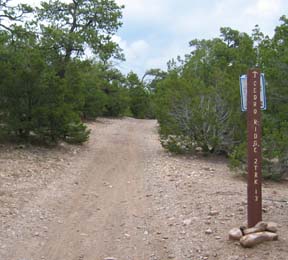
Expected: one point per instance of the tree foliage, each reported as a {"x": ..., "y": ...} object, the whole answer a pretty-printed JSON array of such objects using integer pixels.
[
  {"x": 198, "y": 101},
  {"x": 140, "y": 97},
  {"x": 46, "y": 85},
  {"x": 73, "y": 26}
]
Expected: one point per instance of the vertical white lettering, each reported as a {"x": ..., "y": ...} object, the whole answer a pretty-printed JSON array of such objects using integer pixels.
[{"x": 255, "y": 73}]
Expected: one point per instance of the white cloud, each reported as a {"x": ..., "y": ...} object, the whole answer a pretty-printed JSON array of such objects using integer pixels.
[
  {"x": 139, "y": 47},
  {"x": 143, "y": 10},
  {"x": 264, "y": 8},
  {"x": 157, "y": 62},
  {"x": 135, "y": 54},
  {"x": 141, "y": 55},
  {"x": 154, "y": 31},
  {"x": 241, "y": 15},
  {"x": 172, "y": 50},
  {"x": 132, "y": 50},
  {"x": 171, "y": 25}
]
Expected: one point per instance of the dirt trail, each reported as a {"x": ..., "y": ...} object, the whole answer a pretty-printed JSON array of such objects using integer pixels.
[
  {"x": 122, "y": 196},
  {"x": 103, "y": 213}
]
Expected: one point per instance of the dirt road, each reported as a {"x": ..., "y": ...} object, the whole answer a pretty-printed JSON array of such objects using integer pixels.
[{"x": 122, "y": 197}]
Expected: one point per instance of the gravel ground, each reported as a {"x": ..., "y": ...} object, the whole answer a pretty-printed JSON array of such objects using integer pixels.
[{"x": 122, "y": 197}]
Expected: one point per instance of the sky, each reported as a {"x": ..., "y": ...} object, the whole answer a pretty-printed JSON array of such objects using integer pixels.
[{"x": 155, "y": 31}]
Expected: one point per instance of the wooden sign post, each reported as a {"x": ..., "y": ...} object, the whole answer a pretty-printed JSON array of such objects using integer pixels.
[{"x": 254, "y": 147}]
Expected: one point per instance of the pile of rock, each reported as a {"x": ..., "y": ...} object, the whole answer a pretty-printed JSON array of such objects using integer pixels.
[{"x": 249, "y": 237}]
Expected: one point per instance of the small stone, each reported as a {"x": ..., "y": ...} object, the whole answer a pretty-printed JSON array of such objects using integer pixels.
[
  {"x": 110, "y": 258},
  {"x": 234, "y": 257},
  {"x": 272, "y": 227},
  {"x": 187, "y": 222},
  {"x": 208, "y": 169},
  {"x": 208, "y": 231},
  {"x": 213, "y": 213},
  {"x": 235, "y": 234},
  {"x": 237, "y": 243},
  {"x": 251, "y": 240}
]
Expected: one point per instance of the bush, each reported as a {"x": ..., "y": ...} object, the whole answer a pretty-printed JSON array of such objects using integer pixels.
[{"x": 77, "y": 133}]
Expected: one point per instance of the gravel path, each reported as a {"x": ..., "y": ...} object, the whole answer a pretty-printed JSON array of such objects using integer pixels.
[{"x": 122, "y": 197}]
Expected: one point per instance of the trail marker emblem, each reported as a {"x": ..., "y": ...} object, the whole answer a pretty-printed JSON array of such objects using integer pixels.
[{"x": 243, "y": 92}]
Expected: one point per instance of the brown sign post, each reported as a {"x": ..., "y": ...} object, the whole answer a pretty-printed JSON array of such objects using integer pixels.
[{"x": 254, "y": 147}]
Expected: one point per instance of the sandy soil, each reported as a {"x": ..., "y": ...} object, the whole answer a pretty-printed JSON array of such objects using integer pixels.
[{"x": 122, "y": 197}]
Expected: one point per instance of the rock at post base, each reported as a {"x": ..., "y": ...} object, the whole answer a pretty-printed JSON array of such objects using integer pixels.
[
  {"x": 254, "y": 239},
  {"x": 259, "y": 227},
  {"x": 235, "y": 234},
  {"x": 272, "y": 227}
]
